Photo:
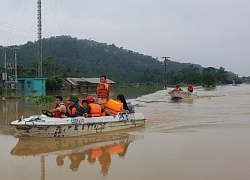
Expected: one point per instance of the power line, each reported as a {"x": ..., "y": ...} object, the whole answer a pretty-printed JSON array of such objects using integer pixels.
[
  {"x": 18, "y": 34},
  {"x": 29, "y": 31},
  {"x": 17, "y": 28},
  {"x": 13, "y": 22},
  {"x": 67, "y": 27},
  {"x": 60, "y": 16},
  {"x": 25, "y": 10},
  {"x": 53, "y": 10}
]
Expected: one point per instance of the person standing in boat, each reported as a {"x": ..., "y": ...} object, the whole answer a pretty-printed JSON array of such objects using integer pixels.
[
  {"x": 103, "y": 90},
  {"x": 74, "y": 109},
  {"x": 60, "y": 108}
]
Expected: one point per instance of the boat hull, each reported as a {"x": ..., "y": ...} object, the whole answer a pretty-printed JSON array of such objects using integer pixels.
[
  {"x": 42, "y": 126},
  {"x": 181, "y": 95}
]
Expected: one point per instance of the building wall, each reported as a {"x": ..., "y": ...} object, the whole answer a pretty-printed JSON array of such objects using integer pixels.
[
  {"x": 32, "y": 85},
  {"x": 39, "y": 85}
]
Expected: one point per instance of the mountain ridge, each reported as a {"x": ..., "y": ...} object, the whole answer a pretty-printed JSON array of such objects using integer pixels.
[{"x": 93, "y": 58}]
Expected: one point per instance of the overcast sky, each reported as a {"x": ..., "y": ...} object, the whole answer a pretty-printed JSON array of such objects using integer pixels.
[{"x": 207, "y": 32}]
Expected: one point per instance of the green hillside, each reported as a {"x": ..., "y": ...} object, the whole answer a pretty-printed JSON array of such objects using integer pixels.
[
  {"x": 64, "y": 56},
  {"x": 93, "y": 58}
]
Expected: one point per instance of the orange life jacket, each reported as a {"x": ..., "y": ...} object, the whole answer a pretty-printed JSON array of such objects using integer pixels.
[
  {"x": 72, "y": 110},
  {"x": 96, "y": 152},
  {"x": 102, "y": 91},
  {"x": 67, "y": 104},
  {"x": 114, "y": 106},
  {"x": 115, "y": 149},
  {"x": 103, "y": 114},
  {"x": 95, "y": 110},
  {"x": 58, "y": 113},
  {"x": 190, "y": 88}
]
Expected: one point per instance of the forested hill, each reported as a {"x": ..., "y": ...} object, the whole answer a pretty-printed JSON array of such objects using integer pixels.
[{"x": 92, "y": 59}]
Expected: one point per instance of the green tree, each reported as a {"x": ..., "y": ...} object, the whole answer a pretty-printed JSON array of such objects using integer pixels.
[
  {"x": 222, "y": 76},
  {"x": 48, "y": 67},
  {"x": 54, "y": 82},
  {"x": 209, "y": 77}
]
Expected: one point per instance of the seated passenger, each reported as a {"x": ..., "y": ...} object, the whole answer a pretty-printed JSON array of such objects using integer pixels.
[
  {"x": 122, "y": 99},
  {"x": 84, "y": 103},
  {"x": 60, "y": 108},
  {"x": 190, "y": 88},
  {"x": 93, "y": 109},
  {"x": 74, "y": 109},
  {"x": 67, "y": 104},
  {"x": 177, "y": 88},
  {"x": 113, "y": 107}
]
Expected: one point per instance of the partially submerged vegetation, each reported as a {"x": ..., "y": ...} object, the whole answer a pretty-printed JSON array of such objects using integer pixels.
[{"x": 43, "y": 100}]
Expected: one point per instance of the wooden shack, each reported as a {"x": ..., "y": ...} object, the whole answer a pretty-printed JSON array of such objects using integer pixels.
[{"x": 84, "y": 84}]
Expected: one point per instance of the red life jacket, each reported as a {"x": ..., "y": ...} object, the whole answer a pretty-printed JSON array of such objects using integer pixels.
[{"x": 58, "y": 113}]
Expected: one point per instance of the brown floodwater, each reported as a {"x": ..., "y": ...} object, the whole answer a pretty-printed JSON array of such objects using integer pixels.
[{"x": 202, "y": 138}]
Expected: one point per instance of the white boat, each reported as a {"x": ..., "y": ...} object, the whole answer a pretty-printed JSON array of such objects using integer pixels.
[
  {"x": 44, "y": 126},
  {"x": 181, "y": 94}
]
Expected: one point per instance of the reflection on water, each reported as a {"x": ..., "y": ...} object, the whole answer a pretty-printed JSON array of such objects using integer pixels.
[
  {"x": 10, "y": 110},
  {"x": 78, "y": 149}
]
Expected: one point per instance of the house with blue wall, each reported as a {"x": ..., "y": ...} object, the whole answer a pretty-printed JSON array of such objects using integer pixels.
[{"x": 32, "y": 86}]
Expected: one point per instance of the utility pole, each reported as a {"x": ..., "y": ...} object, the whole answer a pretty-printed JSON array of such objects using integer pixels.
[
  {"x": 15, "y": 63},
  {"x": 165, "y": 74},
  {"x": 39, "y": 39},
  {"x": 10, "y": 83}
]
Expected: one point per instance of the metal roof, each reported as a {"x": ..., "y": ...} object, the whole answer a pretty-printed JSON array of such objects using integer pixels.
[
  {"x": 75, "y": 81},
  {"x": 97, "y": 80}
]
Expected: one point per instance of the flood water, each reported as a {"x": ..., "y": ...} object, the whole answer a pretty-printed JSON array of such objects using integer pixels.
[{"x": 202, "y": 138}]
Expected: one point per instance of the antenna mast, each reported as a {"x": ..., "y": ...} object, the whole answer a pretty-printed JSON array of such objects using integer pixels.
[{"x": 39, "y": 39}]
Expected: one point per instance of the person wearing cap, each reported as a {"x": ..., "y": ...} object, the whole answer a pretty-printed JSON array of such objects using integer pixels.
[
  {"x": 74, "y": 109},
  {"x": 93, "y": 109}
]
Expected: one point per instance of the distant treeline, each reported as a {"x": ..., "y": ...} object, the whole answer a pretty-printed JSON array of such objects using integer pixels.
[{"x": 65, "y": 56}]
